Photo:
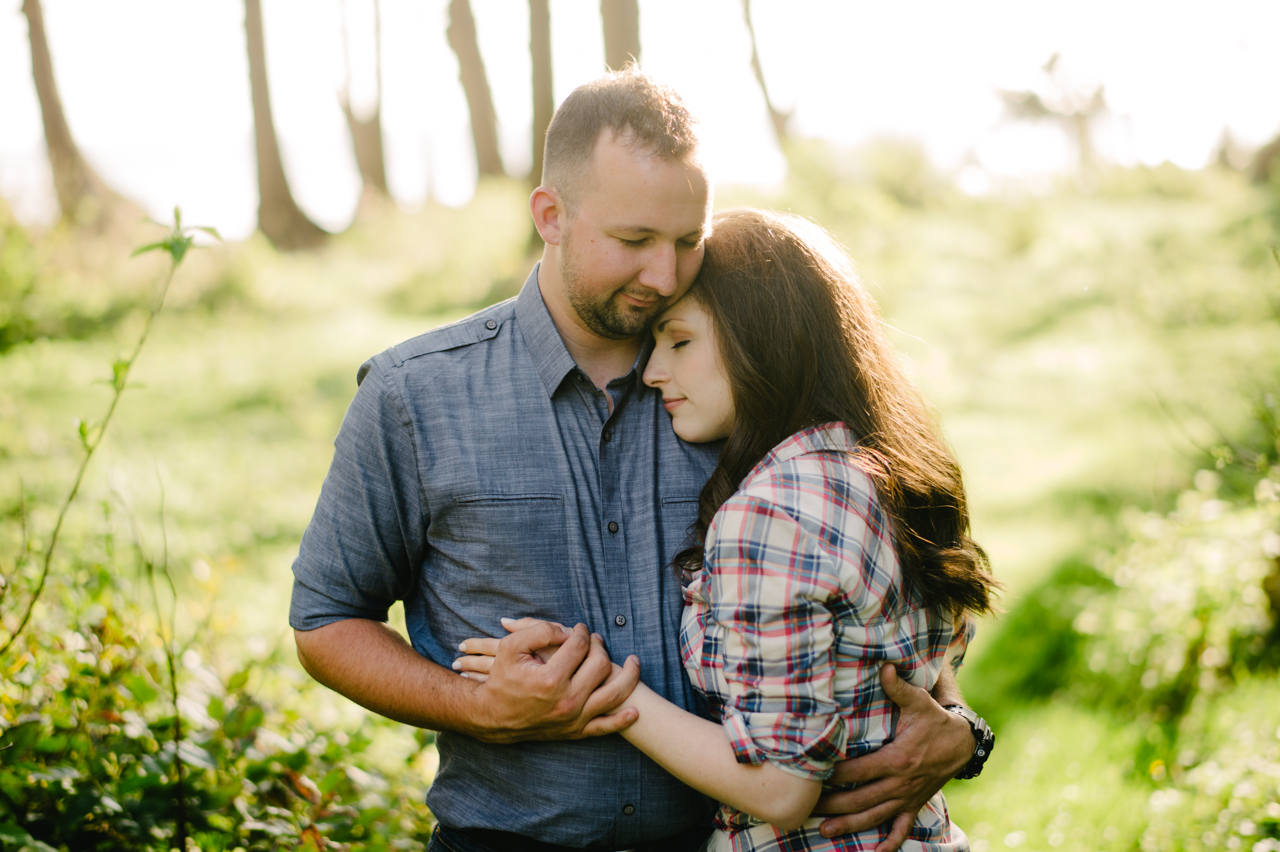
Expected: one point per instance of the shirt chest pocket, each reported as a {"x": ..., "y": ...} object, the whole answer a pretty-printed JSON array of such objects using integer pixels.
[
  {"x": 497, "y": 555},
  {"x": 679, "y": 514}
]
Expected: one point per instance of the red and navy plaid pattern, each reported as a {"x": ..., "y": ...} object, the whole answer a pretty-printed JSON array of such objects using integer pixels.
[{"x": 798, "y": 605}]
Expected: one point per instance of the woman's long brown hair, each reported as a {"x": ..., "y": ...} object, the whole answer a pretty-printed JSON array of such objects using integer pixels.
[{"x": 802, "y": 344}]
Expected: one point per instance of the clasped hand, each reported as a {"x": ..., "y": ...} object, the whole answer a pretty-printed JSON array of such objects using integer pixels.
[
  {"x": 544, "y": 667},
  {"x": 544, "y": 681}
]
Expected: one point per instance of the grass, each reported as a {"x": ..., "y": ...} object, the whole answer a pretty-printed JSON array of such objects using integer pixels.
[{"x": 1081, "y": 352}]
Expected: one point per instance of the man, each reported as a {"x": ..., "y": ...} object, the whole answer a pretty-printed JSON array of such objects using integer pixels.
[{"x": 513, "y": 464}]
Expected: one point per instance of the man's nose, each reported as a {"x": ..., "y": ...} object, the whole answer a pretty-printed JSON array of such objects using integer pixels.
[{"x": 659, "y": 273}]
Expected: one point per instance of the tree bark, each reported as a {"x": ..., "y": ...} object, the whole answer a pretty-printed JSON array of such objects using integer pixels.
[
  {"x": 484, "y": 120},
  {"x": 621, "y": 19},
  {"x": 279, "y": 218},
  {"x": 83, "y": 197},
  {"x": 544, "y": 103},
  {"x": 779, "y": 119},
  {"x": 366, "y": 134}
]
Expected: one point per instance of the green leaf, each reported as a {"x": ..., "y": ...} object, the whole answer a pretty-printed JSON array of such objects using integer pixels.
[
  {"x": 177, "y": 219},
  {"x": 53, "y": 744},
  {"x": 213, "y": 232},
  {"x": 141, "y": 690},
  {"x": 10, "y": 831},
  {"x": 119, "y": 373},
  {"x": 82, "y": 428},
  {"x": 238, "y": 680},
  {"x": 149, "y": 247},
  {"x": 177, "y": 246}
]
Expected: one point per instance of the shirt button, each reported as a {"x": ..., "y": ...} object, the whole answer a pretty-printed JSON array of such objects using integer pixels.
[
  {"x": 490, "y": 324},
  {"x": 613, "y": 526},
  {"x": 608, "y": 435},
  {"x": 628, "y": 809},
  {"x": 620, "y": 620}
]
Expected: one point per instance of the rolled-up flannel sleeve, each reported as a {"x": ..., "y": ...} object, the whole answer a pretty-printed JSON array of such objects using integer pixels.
[
  {"x": 769, "y": 640},
  {"x": 367, "y": 537}
]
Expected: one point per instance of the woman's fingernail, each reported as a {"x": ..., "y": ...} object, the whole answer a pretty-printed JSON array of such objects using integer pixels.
[
  {"x": 506, "y": 620},
  {"x": 457, "y": 664},
  {"x": 464, "y": 674},
  {"x": 463, "y": 647}
]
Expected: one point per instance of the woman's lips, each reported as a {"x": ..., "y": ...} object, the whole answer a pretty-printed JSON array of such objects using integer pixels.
[{"x": 670, "y": 404}]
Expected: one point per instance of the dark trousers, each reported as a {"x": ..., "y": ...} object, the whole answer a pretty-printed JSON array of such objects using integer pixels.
[{"x": 486, "y": 840}]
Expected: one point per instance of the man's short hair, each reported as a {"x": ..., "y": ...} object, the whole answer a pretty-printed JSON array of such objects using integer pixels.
[{"x": 634, "y": 107}]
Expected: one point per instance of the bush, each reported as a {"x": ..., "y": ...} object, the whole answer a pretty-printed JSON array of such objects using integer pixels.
[{"x": 89, "y": 737}]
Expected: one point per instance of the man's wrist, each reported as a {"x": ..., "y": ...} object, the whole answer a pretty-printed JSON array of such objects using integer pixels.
[{"x": 982, "y": 737}]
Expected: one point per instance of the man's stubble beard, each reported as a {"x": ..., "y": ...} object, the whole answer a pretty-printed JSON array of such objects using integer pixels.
[{"x": 602, "y": 314}]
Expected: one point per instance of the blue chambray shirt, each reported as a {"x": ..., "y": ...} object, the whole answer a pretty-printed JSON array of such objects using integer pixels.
[{"x": 479, "y": 474}]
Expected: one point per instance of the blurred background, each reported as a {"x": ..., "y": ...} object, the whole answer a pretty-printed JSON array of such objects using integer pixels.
[{"x": 1068, "y": 212}]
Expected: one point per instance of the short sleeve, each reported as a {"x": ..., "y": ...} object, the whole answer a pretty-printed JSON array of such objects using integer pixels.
[
  {"x": 367, "y": 536},
  {"x": 769, "y": 648}
]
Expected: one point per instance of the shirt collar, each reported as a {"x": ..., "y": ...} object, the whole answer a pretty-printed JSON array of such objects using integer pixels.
[
  {"x": 550, "y": 357},
  {"x": 825, "y": 437},
  {"x": 552, "y": 361}
]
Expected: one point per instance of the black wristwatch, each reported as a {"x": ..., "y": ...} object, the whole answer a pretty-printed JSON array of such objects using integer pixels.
[{"x": 984, "y": 740}]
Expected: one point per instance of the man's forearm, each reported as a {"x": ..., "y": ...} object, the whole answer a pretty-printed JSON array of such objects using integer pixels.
[
  {"x": 572, "y": 696},
  {"x": 373, "y": 665}
]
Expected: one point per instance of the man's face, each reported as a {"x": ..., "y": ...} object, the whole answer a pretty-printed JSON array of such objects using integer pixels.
[{"x": 634, "y": 241}]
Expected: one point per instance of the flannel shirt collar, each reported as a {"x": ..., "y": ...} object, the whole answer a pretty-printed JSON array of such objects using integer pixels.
[{"x": 825, "y": 437}]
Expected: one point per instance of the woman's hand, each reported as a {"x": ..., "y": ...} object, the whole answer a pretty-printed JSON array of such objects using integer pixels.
[{"x": 480, "y": 652}]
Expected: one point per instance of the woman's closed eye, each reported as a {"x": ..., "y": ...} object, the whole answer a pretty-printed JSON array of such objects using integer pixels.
[{"x": 679, "y": 343}]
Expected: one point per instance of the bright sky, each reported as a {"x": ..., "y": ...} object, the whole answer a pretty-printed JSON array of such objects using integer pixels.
[{"x": 157, "y": 92}]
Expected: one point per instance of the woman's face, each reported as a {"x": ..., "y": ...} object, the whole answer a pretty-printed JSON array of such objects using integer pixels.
[{"x": 686, "y": 367}]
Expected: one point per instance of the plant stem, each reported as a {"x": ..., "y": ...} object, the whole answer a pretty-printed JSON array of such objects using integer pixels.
[{"x": 120, "y": 384}]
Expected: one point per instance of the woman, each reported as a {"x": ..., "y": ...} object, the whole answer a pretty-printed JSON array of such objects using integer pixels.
[{"x": 831, "y": 537}]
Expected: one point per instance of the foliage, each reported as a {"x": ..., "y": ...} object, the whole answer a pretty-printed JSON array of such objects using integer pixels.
[
  {"x": 1035, "y": 651},
  {"x": 1225, "y": 792},
  {"x": 1191, "y": 612},
  {"x": 86, "y": 731},
  {"x": 1059, "y": 778}
]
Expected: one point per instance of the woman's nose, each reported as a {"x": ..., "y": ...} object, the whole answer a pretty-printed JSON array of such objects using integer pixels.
[{"x": 654, "y": 374}]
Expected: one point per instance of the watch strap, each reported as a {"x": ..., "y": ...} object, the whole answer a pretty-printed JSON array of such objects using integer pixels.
[{"x": 983, "y": 740}]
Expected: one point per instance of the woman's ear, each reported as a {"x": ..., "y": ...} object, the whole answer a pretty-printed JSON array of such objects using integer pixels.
[{"x": 548, "y": 211}]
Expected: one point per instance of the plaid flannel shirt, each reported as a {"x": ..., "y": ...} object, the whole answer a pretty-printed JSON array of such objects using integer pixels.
[{"x": 798, "y": 605}]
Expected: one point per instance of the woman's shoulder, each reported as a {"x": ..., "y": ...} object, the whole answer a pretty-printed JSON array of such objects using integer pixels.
[
  {"x": 817, "y": 479},
  {"x": 820, "y": 461}
]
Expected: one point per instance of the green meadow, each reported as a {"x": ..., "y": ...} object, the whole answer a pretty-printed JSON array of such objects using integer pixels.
[{"x": 1103, "y": 353}]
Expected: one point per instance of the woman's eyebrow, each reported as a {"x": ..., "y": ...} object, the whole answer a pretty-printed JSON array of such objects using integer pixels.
[{"x": 660, "y": 324}]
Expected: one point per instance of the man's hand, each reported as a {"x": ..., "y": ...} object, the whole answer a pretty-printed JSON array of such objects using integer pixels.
[
  {"x": 546, "y": 682},
  {"x": 929, "y": 747}
]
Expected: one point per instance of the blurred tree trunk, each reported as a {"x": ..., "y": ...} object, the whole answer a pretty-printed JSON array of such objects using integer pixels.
[
  {"x": 366, "y": 134},
  {"x": 779, "y": 119},
  {"x": 544, "y": 103},
  {"x": 279, "y": 218},
  {"x": 621, "y": 20},
  {"x": 1073, "y": 109},
  {"x": 484, "y": 121},
  {"x": 1265, "y": 164},
  {"x": 83, "y": 197}
]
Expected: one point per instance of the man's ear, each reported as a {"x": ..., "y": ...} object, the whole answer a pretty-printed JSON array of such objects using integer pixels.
[{"x": 548, "y": 214}]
